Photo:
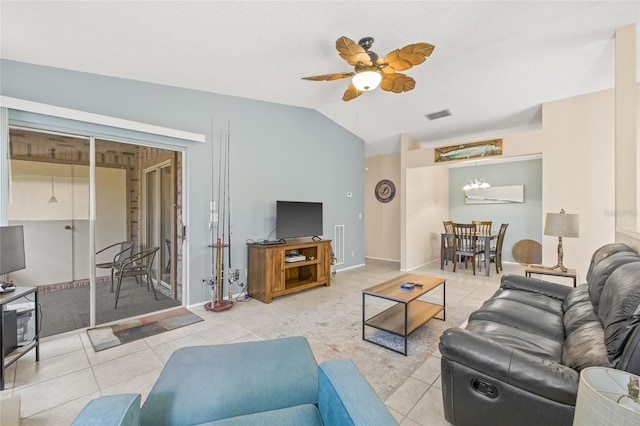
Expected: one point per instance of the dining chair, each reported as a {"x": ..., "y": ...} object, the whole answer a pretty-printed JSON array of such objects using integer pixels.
[
  {"x": 137, "y": 265},
  {"x": 496, "y": 252},
  {"x": 448, "y": 242},
  {"x": 466, "y": 244},
  {"x": 125, "y": 248},
  {"x": 483, "y": 227}
]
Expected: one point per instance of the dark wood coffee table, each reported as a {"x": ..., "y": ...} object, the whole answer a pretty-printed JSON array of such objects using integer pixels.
[{"x": 408, "y": 313}]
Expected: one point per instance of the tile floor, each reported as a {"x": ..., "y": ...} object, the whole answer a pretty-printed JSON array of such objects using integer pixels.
[{"x": 70, "y": 373}]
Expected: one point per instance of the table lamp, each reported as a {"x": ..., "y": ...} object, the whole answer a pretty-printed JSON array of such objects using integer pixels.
[
  {"x": 561, "y": 225},
  {"x": 607, "y": 396}
]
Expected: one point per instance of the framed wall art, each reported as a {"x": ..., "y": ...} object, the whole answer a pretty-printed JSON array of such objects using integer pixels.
[
  {"x": 495, "y": 195},
  {"x": 468, "y": 150}
]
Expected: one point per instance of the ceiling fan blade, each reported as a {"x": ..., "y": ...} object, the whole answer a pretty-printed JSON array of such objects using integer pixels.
[
  {"x": 408, "y": 56},
  {"x": 352, "y": 52},
  {"x": 329, "y": 77},
  {"x": 351, "y": 93},
  {"x": 397, "y": 83}
]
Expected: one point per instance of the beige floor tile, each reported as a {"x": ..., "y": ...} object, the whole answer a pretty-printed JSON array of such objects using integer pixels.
[
  {"x": 61, "y": 415},
  {"x": 58, "y": 391},
  {"x": 429, "y": 371},
  {"x": 141, "y": 384},
  {"x": 438, "y": 383},
  {"x": 223, "y": 333},
  {"x": 125, "y": 368},
  {"x": 54, "y": 347},
  {"x": 164, "y": 350},
  {"x": 429, "y": 410},
  {"x": 97, "y": 358},
  {"x": 29, "y": 371},
  {"x": 407, "y": 395},
  {"x": 408, "y": 422},
  {"x": 395, "y": 414}
]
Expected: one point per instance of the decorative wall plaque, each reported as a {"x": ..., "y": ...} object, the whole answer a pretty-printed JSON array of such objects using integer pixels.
[
  {"x": 385, "y": 191},
  {"x": 468, "y": 150}
]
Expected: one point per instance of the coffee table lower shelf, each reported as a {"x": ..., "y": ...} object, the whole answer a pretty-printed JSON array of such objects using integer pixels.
[{"x": 402, "y": 319}]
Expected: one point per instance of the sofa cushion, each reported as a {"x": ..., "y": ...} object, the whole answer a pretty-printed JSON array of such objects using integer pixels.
[
  {"x": 601, "y": 272},
  {"x": 578, "y": 310},
  {"x": 516, "y": 338},
  {"x": 193, "y": 386},
  {"x": 535, "y": 300},
  {"x": 584, "y": 347},
  {"x": 299, "y": 415},
  {"x": 604, "y": 252},
  {"x": 578, "y": 294},
  {"x": 521, "y": 315},
  {"x": 619, "y": 308}
]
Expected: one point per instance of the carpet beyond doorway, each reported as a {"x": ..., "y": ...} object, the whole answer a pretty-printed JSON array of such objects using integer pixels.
[{"x": 67, "y": 310}]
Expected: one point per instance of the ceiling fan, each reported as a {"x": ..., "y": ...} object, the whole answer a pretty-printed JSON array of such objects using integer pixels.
[{"x": 372, "y": 71}]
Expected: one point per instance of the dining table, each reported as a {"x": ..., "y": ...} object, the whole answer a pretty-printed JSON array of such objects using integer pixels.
[{"x": 482, "y": 237}]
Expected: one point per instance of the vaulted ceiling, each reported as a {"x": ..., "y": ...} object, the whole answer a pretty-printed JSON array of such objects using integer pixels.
[{"x": 493, "y": 65}]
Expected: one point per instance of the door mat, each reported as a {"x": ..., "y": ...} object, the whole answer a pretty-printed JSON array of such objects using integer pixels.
[{"x": 128, "y": 331}]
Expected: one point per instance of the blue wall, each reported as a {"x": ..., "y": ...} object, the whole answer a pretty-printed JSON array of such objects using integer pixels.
[
  {"x": 278, "y": 152},
  {"x": 524, "y": 219}
]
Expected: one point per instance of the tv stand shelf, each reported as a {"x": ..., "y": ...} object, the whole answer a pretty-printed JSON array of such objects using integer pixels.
[{"x": 270, "y": 276}]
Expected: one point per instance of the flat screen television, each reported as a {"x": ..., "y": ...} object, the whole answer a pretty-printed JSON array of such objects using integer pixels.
[
  {"x": 11, "y": 249},
  {"x": 296, "y": 219}
]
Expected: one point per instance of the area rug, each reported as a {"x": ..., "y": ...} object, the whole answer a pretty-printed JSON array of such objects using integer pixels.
[{"x": 128, "y": 331}]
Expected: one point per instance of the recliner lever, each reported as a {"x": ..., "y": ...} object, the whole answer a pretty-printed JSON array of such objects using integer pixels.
[{"x": 484, "y": 388}]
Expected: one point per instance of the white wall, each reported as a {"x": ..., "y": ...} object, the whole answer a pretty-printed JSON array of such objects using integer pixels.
[
  {"x": 382, "y": 220},
  {"x": 427, "y": 207}
]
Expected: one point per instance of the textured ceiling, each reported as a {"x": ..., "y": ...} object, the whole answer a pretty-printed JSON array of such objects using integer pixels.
[{"x": 493, "y": 65}]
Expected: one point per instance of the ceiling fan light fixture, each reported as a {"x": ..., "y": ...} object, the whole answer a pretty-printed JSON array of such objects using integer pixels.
[{"x": 366, "y": 80}]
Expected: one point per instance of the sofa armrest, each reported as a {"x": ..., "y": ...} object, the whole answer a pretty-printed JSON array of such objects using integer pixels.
[
  {"x": 346, "y": 398},
  {"x": 111, "y": 410},
  {"x": 545, "y": 378},
  {"x": 535, "y": 285}
]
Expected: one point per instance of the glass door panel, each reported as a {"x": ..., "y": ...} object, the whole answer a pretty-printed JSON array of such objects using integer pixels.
[{"x": 49, "y": 197}]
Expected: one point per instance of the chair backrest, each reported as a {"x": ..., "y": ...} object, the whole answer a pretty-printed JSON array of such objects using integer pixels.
[
  {"x": 126, "y": 249},
  {"x": 503, "y": 230},
  {"x": 144, "y": 257},
  {"x": 483, "y": 227},
  {"x": 448, "y": 226},
  {"x": 465, "y": 237}
]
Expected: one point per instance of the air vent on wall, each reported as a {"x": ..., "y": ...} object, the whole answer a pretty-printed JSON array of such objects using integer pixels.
[{"x": 438, "y": 114}]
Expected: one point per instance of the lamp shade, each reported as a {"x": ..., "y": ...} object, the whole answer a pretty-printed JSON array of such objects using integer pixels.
[
  {"x": 366, "y": 80},
  {"x": 562, "y": 225},
  {"x": 604, "y": 398}
]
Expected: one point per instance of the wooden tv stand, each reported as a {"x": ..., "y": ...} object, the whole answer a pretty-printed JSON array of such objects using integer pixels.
[{"x": 270, "y": 276}]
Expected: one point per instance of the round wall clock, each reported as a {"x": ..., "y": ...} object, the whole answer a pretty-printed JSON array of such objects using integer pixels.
[{"x": 385, "y": 191}]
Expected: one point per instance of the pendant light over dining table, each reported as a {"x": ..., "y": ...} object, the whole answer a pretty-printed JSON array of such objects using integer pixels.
[{"x": 476, "y": 183}]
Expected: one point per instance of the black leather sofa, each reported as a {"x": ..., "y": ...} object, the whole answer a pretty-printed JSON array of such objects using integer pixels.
[{"x": 518, "y": 360}]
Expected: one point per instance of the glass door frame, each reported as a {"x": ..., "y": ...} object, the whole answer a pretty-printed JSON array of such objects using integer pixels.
[{"x": 157, "y": 237}]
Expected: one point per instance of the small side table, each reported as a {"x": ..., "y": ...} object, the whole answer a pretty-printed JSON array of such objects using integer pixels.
[{"x": 571, "y": 273}]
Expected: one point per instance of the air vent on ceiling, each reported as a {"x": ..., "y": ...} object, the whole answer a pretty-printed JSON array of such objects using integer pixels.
[{"x": 438, "y": 114}]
